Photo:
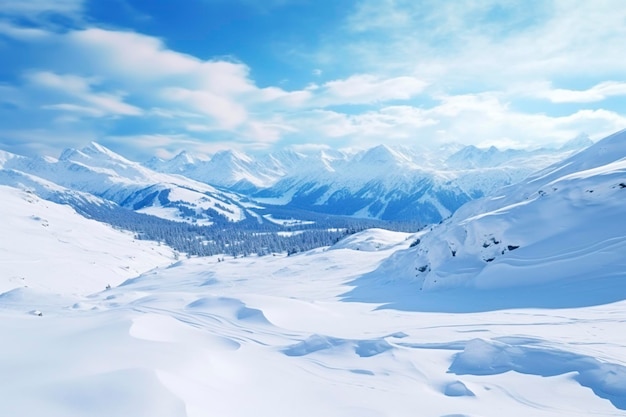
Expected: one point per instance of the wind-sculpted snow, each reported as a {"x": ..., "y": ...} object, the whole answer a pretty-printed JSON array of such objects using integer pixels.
[
  {"x": 316, "y": 343},
  {"x": 227, "y": 307},
  {"x": 271, "y": 336},
  {"x": 480, "y": 357}
]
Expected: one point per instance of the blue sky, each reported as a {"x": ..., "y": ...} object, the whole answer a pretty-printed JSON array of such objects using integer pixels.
[{"x": 154, "y": 77}]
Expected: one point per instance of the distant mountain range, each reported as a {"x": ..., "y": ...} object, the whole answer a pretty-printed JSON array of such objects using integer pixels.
[{"x": 384, "y": 183}]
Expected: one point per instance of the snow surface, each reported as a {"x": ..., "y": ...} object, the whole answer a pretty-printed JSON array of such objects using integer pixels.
[
  {"x": 286, "y": 222},
  {"x": 49, "y": 247},
  {"x": 272, "y": 336}
]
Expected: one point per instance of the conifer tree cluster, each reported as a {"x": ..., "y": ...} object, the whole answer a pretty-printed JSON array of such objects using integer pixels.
[{"x": 248, "y": 237}]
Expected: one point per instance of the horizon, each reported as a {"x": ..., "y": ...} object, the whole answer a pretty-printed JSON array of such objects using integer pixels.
[
  {"x": 308, "y": 150},
  {"x": 154, "y": 79}
]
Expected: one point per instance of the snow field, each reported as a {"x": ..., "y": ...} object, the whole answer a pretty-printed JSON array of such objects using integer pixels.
[{"x": 272, "y": 336}]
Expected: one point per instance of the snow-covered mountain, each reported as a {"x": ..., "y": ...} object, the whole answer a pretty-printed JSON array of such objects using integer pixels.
[
  {"x": 562, "y": 229},
  {"x": 393, "y": 184},
  {"x": 384, "y": 182},
  {"x": 387, "y": 183},
  {"x": 100, "y": 172},
  {"x": 228, "y": 169}
]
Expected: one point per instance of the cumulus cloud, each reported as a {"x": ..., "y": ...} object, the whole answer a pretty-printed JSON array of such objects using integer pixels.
[{"x": 481, "y": 119}]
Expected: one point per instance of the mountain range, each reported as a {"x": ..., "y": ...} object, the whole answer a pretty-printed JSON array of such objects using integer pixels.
[{"x": 385, "y": 183}]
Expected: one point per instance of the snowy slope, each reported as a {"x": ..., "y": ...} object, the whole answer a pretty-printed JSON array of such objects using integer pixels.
[
  {"x": 47, "y": 247},
  {"x": 271, "y": 337},
  {"x": 557, "y": 239},
  {"x": 358, "y": 329}
]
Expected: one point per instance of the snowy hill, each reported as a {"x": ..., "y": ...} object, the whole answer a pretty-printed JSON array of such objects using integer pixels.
[
  {"x": 47, "y": 247},
  {"x": 556, "y": 239}
]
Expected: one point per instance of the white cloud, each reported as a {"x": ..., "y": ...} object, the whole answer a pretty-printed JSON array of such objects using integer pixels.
[
  {"x": 484, "y": 119},
  {"x": 227, "y": 113},
  {"x": 367, "y": 88},
  {"x": 429, "y": 72},
  {"x": 280, "y": 97},
  {"x": 129, "y": 55},
  {"x": 267, "y": 132},
  {"x": 598, "y": 92},
  {"x": 381, "y": 14},
  {"x": 393, "y": 122},
  {"x": 462, "y": 46},
  {"x": 479, "y": 119},
  {"x": 92, "y": 103}
]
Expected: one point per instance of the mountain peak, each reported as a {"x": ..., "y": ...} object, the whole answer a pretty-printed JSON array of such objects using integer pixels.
[
  {"x": 6, "y": 156},
  {"x": 382, "y": 154},
  {"x": 92, "y": 151},
  {"x": 183, "y": 157},
  {"x": 230, "y": 155},
  {"x": 580, "y": 142},
  {"x": 95, "y": 147}
]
